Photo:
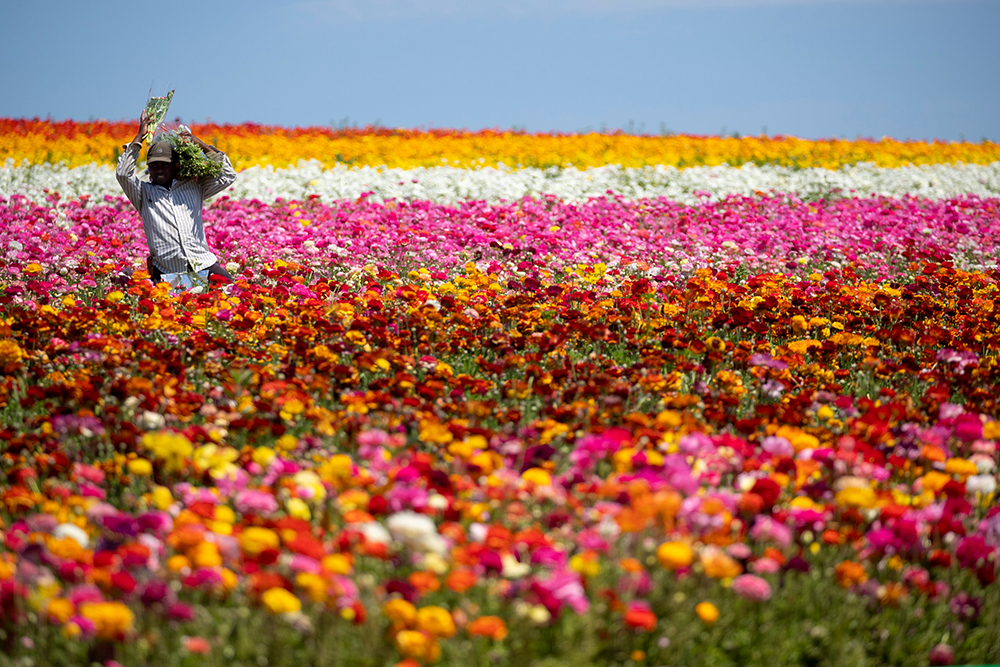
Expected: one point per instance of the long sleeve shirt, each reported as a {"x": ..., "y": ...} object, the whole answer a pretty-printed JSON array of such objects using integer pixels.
[{"x": 171, "y": 217}]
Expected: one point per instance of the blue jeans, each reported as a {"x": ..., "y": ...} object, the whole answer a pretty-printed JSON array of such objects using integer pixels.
[{"x": 186, "y": 281}]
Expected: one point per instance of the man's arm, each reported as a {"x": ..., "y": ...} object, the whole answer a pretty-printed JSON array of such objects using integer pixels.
[
  {"x": 213, "y": 186},
  {"x": 125, "y": 172}
]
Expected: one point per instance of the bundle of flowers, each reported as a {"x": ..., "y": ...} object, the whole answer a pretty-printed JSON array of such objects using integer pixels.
[
  {"x": 192, "y": 161},
  {"x": 156, "y": 111}
]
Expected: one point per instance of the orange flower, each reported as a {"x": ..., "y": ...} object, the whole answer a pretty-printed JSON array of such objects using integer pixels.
[
  {"x": 425, "y": 582},
  {"x": 198, "y": 645},
  {"x": 718, "y": 564},
  {"x": 493, "y": 627},
  {"x": 832, "y": 537},
  {"x": 707, "y": 612},
  {"x": 461, "y": 579},
  {"x": 848, "y": 573}
]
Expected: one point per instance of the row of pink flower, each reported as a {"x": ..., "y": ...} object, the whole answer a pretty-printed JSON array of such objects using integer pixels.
[{"x": 761, "y": 234}]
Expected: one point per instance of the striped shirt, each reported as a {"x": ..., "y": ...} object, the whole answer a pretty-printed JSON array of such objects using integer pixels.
[{"x": 171, "y": 217}]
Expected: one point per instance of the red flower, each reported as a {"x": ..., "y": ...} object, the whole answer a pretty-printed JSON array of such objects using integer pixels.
[
  {"x": 768, "y": 490},
  {"x": 640, "y": 617}
]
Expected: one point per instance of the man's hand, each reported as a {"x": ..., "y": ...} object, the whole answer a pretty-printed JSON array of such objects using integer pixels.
[
  {"x": 143, "y": 128},
  {"x": 187, "y": 136}
]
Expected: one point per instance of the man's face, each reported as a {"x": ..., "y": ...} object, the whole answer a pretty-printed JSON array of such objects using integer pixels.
[{"x": 162, "y": 173}]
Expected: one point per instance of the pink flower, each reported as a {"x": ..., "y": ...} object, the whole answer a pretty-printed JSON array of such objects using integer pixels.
[
  {"x": 739, "y": 551},
  {"x": 88, "y": 628},
  {"x": 767, "y": 529},
  {"x": 752, "y": 587},
  {"x": 765, "y": 566},
  {"x": 255, "y": 502}
]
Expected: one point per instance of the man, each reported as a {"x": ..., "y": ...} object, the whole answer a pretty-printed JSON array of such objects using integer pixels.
[{"x": 171, "y": 208}]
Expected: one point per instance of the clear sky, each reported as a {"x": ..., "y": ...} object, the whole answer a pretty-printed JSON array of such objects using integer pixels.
[{"x": 910, "y": 69}]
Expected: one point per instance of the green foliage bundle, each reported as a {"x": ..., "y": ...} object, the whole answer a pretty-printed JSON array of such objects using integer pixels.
[
  {"x": 156, "y": 111},
  {"x": 193, "y": 161}
]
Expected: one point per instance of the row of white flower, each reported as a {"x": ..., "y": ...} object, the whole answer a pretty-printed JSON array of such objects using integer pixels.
[{"x": 451, "y": 184}]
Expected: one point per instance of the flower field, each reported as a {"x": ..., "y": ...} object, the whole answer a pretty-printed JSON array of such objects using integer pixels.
[{"x": 612, "y": 407}]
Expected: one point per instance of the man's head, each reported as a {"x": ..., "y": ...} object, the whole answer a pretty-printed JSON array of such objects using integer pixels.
[{"x": 162, "y": 162}]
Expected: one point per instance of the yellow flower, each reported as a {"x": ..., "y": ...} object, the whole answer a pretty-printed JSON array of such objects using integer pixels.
[
  {"x": 113, "y": 619},
  {"x": 59, "y": 610},
  {"x": 537, "y": 476},
  {"x": 400, "y": 612},
  {"x": 586, "y": 564},
  {"x": 140, "y": 467},
  {"x": 10, "y": 352},
  {"x": 803, "y": 346},
  {"x": 297, "y": 508},
  {"x": 178, "y": 563},
  {"x": 707, "y": 612},
  {"x": 417, "y": 645},
  {"x": 162, "y": 498},
  {"x": 435, "y": 621},
  {"x": 674, "y": 555},
  {"x": 337, "y": 467},
  {"x": 314, "y": 585},
  {"x": 337, "y": 564},
  {"x": 433, "y": 431},
  {"x": 715, "y": 344},
  {"x": 206, "y": 554},
  {"x": 934, "y": 481},
  {"x": 854, "y": 496},
  {"x": 961, "y": 467},
  {"x": 288, "y": 442},
  {"x": 798, "y": 438},
  {"x": 255, "y": 539},
  {"x": 171, "y": 448},
  {"x": 991, "y": 430},
  {"x": 218, "y": 461},
  {"x": 280, "y": 601},
  {"x": 310, "y": 485}
]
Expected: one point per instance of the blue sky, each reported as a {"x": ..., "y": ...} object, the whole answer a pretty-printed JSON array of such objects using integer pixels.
[{"x": 910, "y": 69}]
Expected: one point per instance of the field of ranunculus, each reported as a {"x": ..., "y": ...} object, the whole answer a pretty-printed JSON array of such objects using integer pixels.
[{"x": 606, "y": 408}]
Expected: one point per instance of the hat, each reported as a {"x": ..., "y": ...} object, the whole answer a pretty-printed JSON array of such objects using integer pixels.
[{"x": 161, "y": 151}]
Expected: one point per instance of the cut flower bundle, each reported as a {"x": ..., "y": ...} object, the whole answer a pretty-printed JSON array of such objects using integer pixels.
[{"x": 193, "y": 161}]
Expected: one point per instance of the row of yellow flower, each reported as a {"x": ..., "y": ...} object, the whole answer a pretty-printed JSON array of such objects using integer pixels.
[{"x": 248, "y": 144}]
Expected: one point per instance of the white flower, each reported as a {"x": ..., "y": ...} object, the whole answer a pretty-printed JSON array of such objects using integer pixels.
[
  {"x": 373, "y": 532},
  {"x": 437, "y": 501},
  {"x": 73, "y": 531},
  {"x": 416, "y": 531},
  {"x": 151, "y": 421},
  {"x": 452, "y": 184},
  {"x": 985, "y": 484},
  {"x": 477, "y": 532},
  {"x": 513, "y": 568}
]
